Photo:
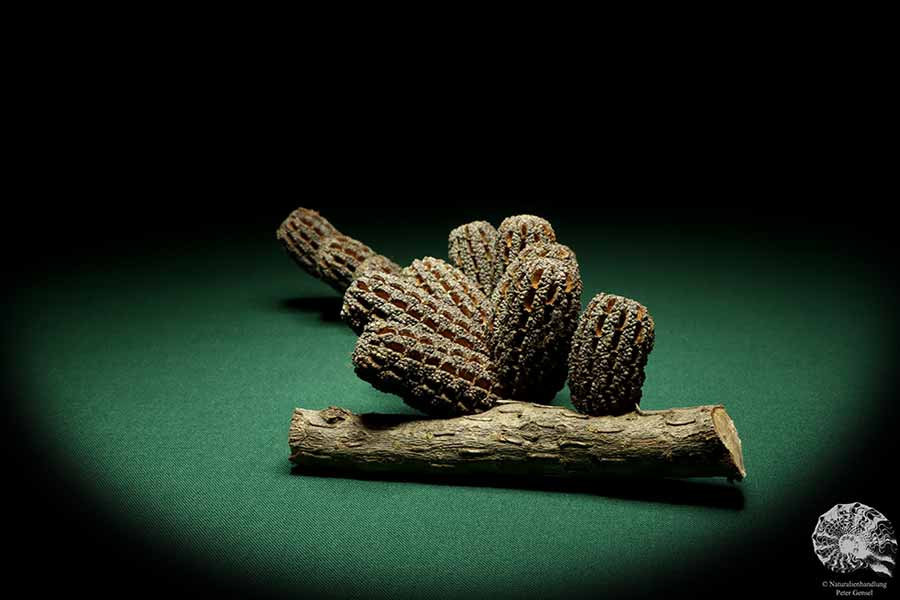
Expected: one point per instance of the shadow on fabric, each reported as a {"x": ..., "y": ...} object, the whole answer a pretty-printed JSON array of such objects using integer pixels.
[
  {"x": 669, "y": 491},
  {"x": 328, "y": 307}
]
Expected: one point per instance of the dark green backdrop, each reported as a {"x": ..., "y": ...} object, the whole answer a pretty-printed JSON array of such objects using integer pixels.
[{"x": 157, "y": 383}]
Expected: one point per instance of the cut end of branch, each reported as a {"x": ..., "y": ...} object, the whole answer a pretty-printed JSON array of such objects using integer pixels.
[
  {"x": 297, "y": 432},
  {"x": 729, "y": 436}
]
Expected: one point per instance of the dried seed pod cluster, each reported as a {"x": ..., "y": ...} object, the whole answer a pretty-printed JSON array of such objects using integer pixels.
[
  {"x": 502, "y": 323},
  {"x": 614, "y": 337},
  {"x": 324, "y": 252},
  {"x": 515, "y": 343},
  {"x": 535, "y": 312},
  {"x": 471, "y": 248}
]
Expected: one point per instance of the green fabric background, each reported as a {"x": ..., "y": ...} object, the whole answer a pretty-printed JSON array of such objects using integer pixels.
[{"x": 165, "y": 383}]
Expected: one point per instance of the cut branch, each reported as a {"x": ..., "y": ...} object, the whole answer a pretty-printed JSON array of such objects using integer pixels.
[{"x": 522, "y": 439}]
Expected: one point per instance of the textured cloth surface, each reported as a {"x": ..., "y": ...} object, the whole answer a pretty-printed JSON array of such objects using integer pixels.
[{"x": 165, "y": 385}]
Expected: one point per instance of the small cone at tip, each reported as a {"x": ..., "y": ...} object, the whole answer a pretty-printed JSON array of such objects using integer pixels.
[
  {"x": 513, "y": 235},
  {"x": 614, "y": 338}
]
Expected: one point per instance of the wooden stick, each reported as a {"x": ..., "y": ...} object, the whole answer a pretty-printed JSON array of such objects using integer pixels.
[{"x": 522, "y": 439}]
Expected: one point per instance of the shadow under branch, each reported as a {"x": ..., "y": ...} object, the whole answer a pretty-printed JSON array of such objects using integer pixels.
[{"x": 713, "y": 494}]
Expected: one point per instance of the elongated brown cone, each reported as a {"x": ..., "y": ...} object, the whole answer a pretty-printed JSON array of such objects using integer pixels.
[
  {"x": 449, "y": 284},
  {"x": 386, "y": 297},
  {"x": 377, "y": 263},
  {"x": 535, "y": 312},
  {"x": 471, "y": 248},
  {"x": 548, "y": 250},
  {"x": 430, "y": 371},
  {"x": 610, "y": 348},
  {"x": 324, "y": 252},
  {"x": 513, "y": 235},
  {"x": 338, "y": 258},
  {"x": 301, "y": 234}
]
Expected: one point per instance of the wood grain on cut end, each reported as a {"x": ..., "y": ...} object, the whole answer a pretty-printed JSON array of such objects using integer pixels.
[{"x": 728, "y": 433}]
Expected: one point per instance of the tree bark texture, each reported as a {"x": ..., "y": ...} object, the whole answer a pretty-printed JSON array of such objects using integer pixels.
[{"x": 521, "y": 439}]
